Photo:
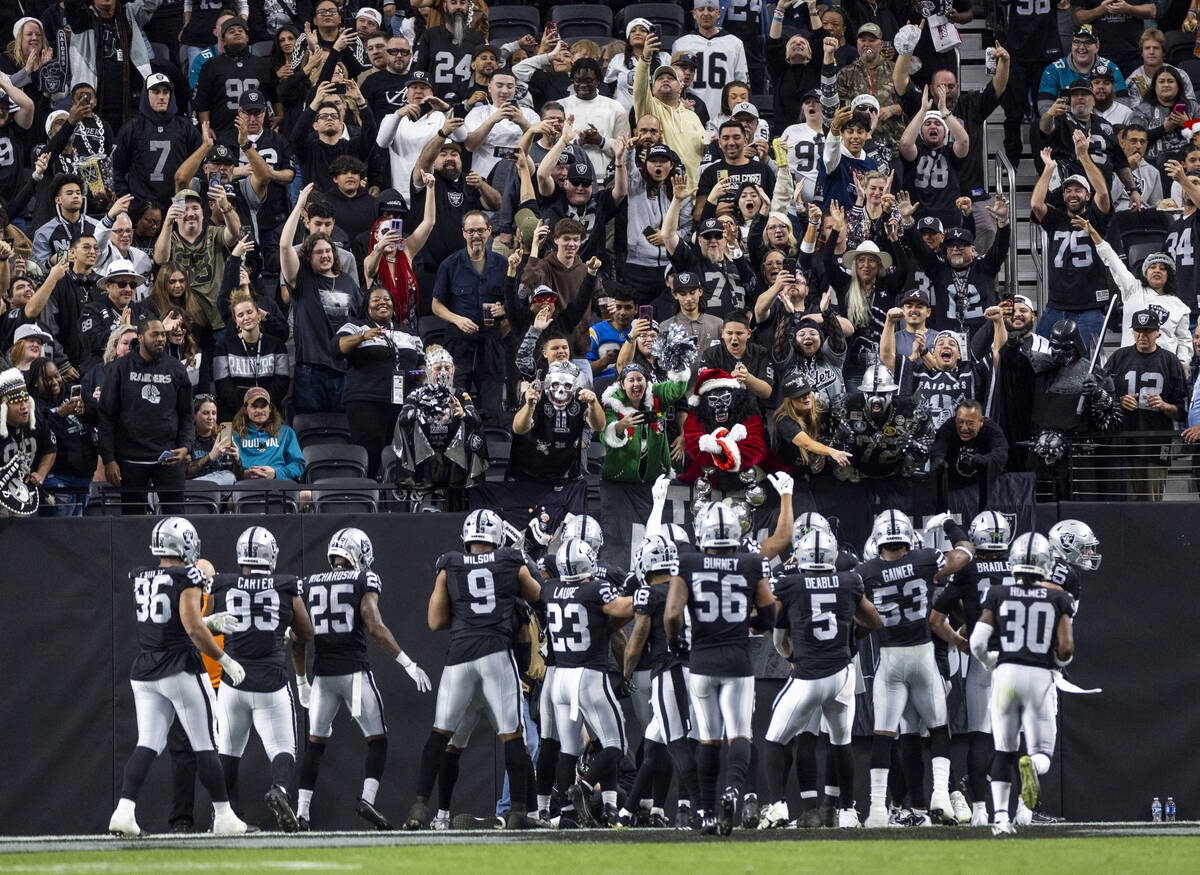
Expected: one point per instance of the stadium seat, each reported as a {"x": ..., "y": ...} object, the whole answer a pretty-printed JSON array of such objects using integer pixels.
[
  {"x": 669, "y": 16},
  {"x": 262, "y": 48},
  {"x": 1139, "y": 244},
  {"x": 321, "y": 428},
  {"x": 334, "y": 460},
  {"x": 1179, "y": 46},
  {"x": 201, "y": 497},
  {"x": 508, "y": 23},
  {"x": 105, "y": 500},
  {"x": 1191, "y": 69},
  {"x": 578, "y": 22},
  {"x": 264, "y": 496},
  {"x": 345, "y": 495}
]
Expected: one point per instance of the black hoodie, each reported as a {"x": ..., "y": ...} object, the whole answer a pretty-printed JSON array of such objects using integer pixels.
[
  {"x": 149, "y": 149},
  {"x": 145, "y": 408}
]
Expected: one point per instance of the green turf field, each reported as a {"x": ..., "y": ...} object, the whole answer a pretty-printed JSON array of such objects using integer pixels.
[{"x": 1010, "y": 856}]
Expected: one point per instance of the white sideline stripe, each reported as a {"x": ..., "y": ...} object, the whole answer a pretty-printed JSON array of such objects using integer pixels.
[{"x": 160, "y": 866}]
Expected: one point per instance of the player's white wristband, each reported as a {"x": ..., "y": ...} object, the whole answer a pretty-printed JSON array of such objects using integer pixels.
[
  {"x": 403, "y": 659},
  {"x": 1063, "y": 663}
]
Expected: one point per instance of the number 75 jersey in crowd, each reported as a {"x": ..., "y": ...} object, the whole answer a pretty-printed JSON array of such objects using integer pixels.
[
  {"x": 901, "y": 590},
  {"x": 164, "y": 645},
  {"x": 1026, "y": 621},
  {"x": 721, "y": 591},
  {"x": 334, "y": 599},
  {"x": 484, "y": 589},
  {"x": 261, "y": 607}
]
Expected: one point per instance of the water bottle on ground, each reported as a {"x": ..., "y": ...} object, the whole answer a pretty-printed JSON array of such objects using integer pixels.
[
  {"x": 1156, "y": 810},
  {"x": 1170, "y": 809}
]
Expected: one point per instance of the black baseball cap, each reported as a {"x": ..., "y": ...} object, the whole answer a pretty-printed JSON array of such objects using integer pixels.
[
  {"x": 711, "y": 228},
  {"x": 1145, "y": 320},
  {"x": 1103, "y": 71},
  {"x": 810, "y": 94},
  {"x": 959, "y": 235},
  {"x": 796, "y": 386},
  {"x": 661, "y": 152},
  {"x": 1085, "y": 32},
  {"x": 580, "y": 173},
  {"x": 220, "y": 154},
  {"x": 418, "y": 77},
  {"x": 485, "y": 48},
  {"x": 915, "y": 295},
  {"x": 252, "y": 101},
  {"x": 1079, "y": 84},
  {"x": 685, "y": 59},
  {"x": 931, "y": 223},
  {"x": 391, "y": 201},
  {"x": 685, "y": 279}
]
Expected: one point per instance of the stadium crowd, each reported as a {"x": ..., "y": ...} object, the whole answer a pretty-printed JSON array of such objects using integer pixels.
[{"x": 766, "y": 243}]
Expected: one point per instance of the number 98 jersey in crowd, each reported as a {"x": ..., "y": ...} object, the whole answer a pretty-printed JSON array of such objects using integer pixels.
[
  {"x": 165, "y": 647},
  {"x": 721, "y": 590},
  {"x": 333, "y": 599},
  {"x": 1027, "y": 620},
  {"x": 900, "y": 589},
  {"x": 261, "y": 605},
  {"x": 484, "y": 590}
]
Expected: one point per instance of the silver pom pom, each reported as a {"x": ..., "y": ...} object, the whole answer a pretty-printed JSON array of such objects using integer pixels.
[
  {"x": 674, "y": 349},
  {"x": 755, "y": 495}
]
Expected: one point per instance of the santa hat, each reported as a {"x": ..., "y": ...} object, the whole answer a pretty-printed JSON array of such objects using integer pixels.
[
  {"x": 1192, "y": 127},
  {"x": 712, "y": 378},
  {"x": 12, "y": 389}
]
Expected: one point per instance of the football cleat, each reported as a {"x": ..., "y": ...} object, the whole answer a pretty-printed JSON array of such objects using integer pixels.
[
  {"x": 418, "y": 816},
  {"x": 372, "y": 815},
  {"x": 877, "y": 817},
  {"x": 304, "y": 824},
  {"x": 750, "y": 811},
  {"x": 123, "y": 824},
  {"x": 1039, "y": 818},
  {"x": 612, "y": 818},
  {"x": 726, "y": 806},
  {"x": 810, "y": 819},
  {"x": 566, "y": 820},
  {"x": 1031, "y": 786},
  {"x": 228, "y": 824},
  {"x": 708, "y": 823},
  {"x": 277, "y": 801},
  {"x": 441, "y": 822},
  {"x": 683, "y": 818},
  {"x": 657, "y": 820},
  {"x": 471, "y": 822},
  {"x": 941, "y": 809},
  {"x": 962, "y": 811},
  {"x": 919, "y": 818},
  {"x": 774, "y": 815},
  {"x": 521, "y": 820},
  {"x": 578, "y": 800},
  {"x": 899, "y": 816},
  {"x": 182, "y": 825},
  {"x": 847, "y": 818},
  {"x": 828, "y": 810},
  {"x": 641, "y": 817},
  {"x": 979, "y": 815},
  {"x": 1024, "y": 817},
  {"x": 1002, "y": 826}
]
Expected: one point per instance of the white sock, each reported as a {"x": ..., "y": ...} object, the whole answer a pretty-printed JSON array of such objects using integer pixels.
[
  {"x": 834, "y": 792},
  {"x": 222, "y": 809},
  {"x": 879, "y": 781},
  {"x": 684, "y": 803},
  {"x": 544, "y": 802},
  {"x": 303, "y": 801},
  {"x": 443, "y": 814},
  {"x": 625, "y": 812},
  {"x": 979, "y": 806},
  {"x": 609, "y": 797},
  {"x": 941, "y": 775},
  {"x": 654, "y": 809},
  {"x": 646, "y": 804},
  {"x": 1041, "y": 763},
  {"x": 1000, "y": 792},
  {"x": 370, "y": 788},
  {"x": 808, "y": 794}
]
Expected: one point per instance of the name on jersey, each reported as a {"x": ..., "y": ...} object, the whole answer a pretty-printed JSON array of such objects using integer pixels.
[
  {"x": 999, "y": 566},
  {"x": 478, "y": 558},
  {"x": 900, "y": 572},
  {"x": 820, "y": 583},
  {"x": 1037, "y": 592},
  {"x": 252, "y": 584},
  {"x": 565, "y": 592},
  {"x": 721, "y": 563}
]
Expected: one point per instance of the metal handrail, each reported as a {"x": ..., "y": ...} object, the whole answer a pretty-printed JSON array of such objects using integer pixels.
[
  {"x": 1006, "y": 182},
  {"x": 1039, "y": 247},
  {"x": 1131, "y": 465}
]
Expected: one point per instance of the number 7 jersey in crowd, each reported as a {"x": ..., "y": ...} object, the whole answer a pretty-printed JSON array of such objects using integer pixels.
[{"x": 261, "y": 605}]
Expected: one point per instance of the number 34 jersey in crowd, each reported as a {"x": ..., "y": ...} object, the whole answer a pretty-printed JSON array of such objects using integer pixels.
[
  {"x": 577, "y": 622},
  {"x": 1026, "y": 621},
  {"x": 484, "y": 589},
  {"x": 334, "y": 599},
  {"x": 721, "y": 591},
  {"x": 164, "y": 646},
  {"x": 901, "y": 589},
  {"x": 261, "y": 606}
]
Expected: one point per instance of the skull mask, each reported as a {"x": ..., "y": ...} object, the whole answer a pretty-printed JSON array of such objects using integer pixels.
[
  {"x": 560, "y": 383},
  {"x": 720, "y": 403}
]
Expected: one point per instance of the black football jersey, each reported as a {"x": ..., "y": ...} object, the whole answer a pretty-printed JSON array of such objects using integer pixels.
[
  {"x": 631, "y": 587},
  {"x": 1027, "y": 620},
  {"x": 900, "y": 590},
  {"x": 261, "y": 604},
  {"x": 164, "y": 645},
  {"x": 333, "y": 599},
  {"x": 820, "y": 608},
  {"x": 651, "y": 601},
  {"x": 1067, "y": 576},
  {"x": 484, "y": 589},
  {"x": 970, "y": 586},
  {"x": 721, "y": 591},
  {"x": 578, "y": 626}
]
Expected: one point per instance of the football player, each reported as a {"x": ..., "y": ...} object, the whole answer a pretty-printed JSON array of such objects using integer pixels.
[
  {"x": 260, "y": 605},
  {"x": 168, "y": 678},
  {"x": 822, "y": 604},
  {"x": 899, "y": 583},
  {"x": 718, "y": 587},
  {"x": 656, "y": 562},
  {"x": 1032, "y": 618},
  {"x": 344, "y": 605},
  {"x": 580, "y": 608},
  {"x": 990, "y": 534},
  {"x": 474, "y": 596},
  {"x": 1075, "y": 546}
]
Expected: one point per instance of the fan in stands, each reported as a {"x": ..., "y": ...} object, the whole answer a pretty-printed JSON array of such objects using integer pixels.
[{"x": 725, "y": 429}]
